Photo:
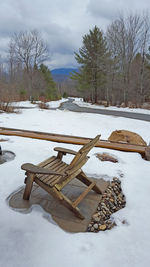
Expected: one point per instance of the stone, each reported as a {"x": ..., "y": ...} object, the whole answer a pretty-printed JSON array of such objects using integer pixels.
[
  {"x": 110, "y": 226},
  {"x": 104, "y": 212},
  {"x": 102, "y": 227},
  {"x": 127, "y": 137},
  {"x": 95, "y": 216},
  {"x": 115, "y": 179},
  {"x": 123, "y": 105},
  {"x": 95, "y": 226},
  {"x": 120, "y": 197},
  {"x": 103, "y": 205},
  {"x": 97, "y": 219},
  {"x": 109, "y": 222},
  {"x": 106, "y": 157}
]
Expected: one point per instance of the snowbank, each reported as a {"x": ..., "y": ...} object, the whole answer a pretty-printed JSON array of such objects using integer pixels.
[
  {"x": 81, "y": 103},
  {"x": 28, "y": 104},
  {"x": 56, "y": 104},
  {"x": 24, "y": 104}
]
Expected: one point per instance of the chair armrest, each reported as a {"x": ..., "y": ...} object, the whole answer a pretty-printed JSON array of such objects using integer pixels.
[
  {"x": 35, "y": 169},
  {"x": 65, "y": 150}
]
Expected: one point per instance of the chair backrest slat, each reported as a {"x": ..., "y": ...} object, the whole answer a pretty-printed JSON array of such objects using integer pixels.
[
  {"x": 77, "y": 166},
  {"x": 82, "y": 153},
  {"x": 87, "y": 147}
]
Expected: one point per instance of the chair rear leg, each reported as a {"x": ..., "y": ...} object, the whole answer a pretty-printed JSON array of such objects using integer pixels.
[
  {"x": 84, "y": 179},
  {"x": 28, "y": 188}
]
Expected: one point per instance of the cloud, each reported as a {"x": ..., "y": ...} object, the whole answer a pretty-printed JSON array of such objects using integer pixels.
[
  {"x": 62, "y": 23},
  {"x": 109, "y": 9},
  {"x": 60, "y": 39},
  {"x": 104, "y": 9},
  {"x": 58, "y": 22},
  {"x": 59, "y": 60}
]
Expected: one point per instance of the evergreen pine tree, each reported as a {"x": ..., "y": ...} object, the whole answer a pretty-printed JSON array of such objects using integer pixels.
[
  {"x": 51, "y": 91},
  {"x": 92, "y": 56}
]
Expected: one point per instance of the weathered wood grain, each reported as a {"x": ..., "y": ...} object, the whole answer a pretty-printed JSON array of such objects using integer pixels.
[{"x": 73, "y": 140}]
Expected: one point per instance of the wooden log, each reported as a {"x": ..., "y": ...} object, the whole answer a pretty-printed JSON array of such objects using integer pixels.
[{"x": 73, "y": 140}]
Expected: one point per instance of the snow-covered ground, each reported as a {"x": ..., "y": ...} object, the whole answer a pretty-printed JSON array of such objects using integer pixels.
[
  {"x": 24, "y": 104},
  {"x": 81, "y": 103},
  {"x": 31, "y": 239},
  {"x": 28, "y": 104},
  {"x": 56, "y": 104}
]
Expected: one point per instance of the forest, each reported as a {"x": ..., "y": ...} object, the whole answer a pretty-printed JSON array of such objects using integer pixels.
[{"x": 115, "y": 66}]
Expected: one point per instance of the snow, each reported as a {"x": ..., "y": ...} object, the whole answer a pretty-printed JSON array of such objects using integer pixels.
[
  {"x": 76, "y": 99},
  {"x": 56, "y": 104},
  {"x": 25, "y": 104},
  {"x": 32, "y": 239},
  {"x": 81, "y": 103},
  {"x": 28, "y": 104}
]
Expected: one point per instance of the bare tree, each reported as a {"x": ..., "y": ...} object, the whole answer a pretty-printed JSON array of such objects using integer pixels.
[
  {"x": 145, "y": 35},
  {"x": 29, "y": 49},
  {"x": 123, "y": 37}
]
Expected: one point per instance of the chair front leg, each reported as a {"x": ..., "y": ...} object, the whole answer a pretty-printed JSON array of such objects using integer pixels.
[
  {"x": 60, "y": 155},
  {"x": 28, "y": 188}
]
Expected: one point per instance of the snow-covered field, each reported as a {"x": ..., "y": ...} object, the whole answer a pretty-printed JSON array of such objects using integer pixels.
[
  {"x": 28, "y": 104},
  {"x": 24, "y": 104},
  {"x": 81, "y": 103},
  {"x": 31, "y": 239}
]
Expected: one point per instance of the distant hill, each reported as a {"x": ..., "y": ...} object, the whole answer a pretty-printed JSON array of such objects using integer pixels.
[{"x": 59, "y": 75}]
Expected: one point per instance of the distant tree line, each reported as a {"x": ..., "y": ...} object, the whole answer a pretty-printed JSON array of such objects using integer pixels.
[{"x": 115, "y": 66}]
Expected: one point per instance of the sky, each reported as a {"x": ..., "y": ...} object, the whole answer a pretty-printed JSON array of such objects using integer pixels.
[{"x": 62, "y": 23}]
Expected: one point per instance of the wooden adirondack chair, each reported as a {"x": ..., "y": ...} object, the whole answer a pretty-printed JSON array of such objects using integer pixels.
[{"x": 53, "y": 174}]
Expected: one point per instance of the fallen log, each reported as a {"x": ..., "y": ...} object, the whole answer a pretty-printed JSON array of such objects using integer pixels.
[{"x": 76, "y": 140}]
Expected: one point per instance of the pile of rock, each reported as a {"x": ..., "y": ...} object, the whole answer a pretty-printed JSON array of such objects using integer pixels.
[{"x": 112, "y": 200}]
